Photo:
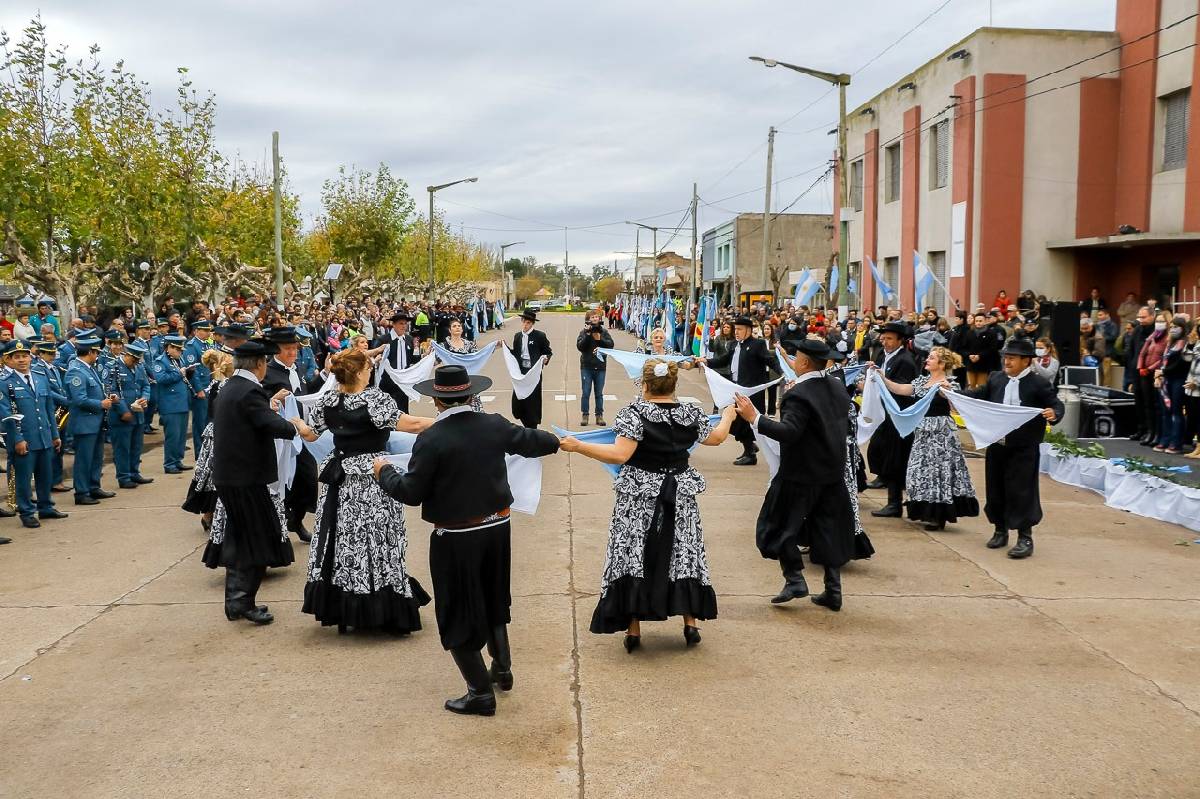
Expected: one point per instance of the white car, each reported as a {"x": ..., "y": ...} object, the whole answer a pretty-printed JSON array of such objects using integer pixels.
[{"x": 533, "y": 305}]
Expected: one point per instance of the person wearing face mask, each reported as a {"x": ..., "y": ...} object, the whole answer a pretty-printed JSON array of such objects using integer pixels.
[
  {"x": 1191, "y": 389},
  {"x": 1143, "y": 327},
  {"x": 1045, "y": 361},
  {"x": 1169, "y": 380},
  {"x": 1149, "y": 361}
]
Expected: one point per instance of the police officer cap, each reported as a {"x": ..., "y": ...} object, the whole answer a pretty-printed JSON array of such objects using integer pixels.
[
  {"x": 14, "y": 347},
  {"x": 303, "y": 332},
  {"x": 161, "y": 321},
  {"x": 174, "y": 341},
  {"x": 137, "y": 349},
  {"x": 88, "y": 341},
  {"x": 143, "y": 324},
  {"x": 82, "y": 333},
  {"x": 112, "y": 334},
  {"x": 202, "y": 324}
]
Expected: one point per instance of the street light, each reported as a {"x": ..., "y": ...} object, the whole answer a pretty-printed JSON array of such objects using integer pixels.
[
  {"x": 841, "y": 80},
  {"x": 636, "y": 258},
  {"x": 504, "y": 272},
  {"x": 431, "y": 190}
]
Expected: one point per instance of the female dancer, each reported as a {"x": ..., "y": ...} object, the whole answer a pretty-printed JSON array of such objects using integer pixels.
[
  {"x": 656, "y": 565},
  {"x": 939, "y": 486},
  {"x": 456, "y": 342},
  {"x": 356, "y": 570},
  {"x": 202, "y": 494}
]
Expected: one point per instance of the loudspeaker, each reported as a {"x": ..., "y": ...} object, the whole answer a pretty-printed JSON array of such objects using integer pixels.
[{"x": 1064, "y": 330}]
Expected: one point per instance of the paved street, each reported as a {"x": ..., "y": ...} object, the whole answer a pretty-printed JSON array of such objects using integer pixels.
[{"x": 952, "y": 671}]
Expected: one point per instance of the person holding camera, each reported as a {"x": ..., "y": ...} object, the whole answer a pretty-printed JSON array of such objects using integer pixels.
[{"x": 591, "y": 364}]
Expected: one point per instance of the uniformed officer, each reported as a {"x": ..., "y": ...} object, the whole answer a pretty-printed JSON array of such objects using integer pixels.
[
  {"x": 32, "y": 438},
  {"x": 201, "y": 377},
  {"x": 114, "y": 346},
  {"x": 306, "y": 361},
  {"x": 174, "y": 397},
  {"x": 88, "y": 405},
  {"x": 46, "y": 351},
  {"x": 144, "y": 332},
  {"x": 127, "y": 379},
  {"x": 66, "y": 350}
]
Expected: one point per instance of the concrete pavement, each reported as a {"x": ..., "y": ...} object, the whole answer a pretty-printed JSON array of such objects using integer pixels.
[{"x": 952, "y": 671}]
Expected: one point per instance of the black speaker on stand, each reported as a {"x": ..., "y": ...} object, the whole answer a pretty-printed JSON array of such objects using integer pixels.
[{"x": 1064, "y": 330}]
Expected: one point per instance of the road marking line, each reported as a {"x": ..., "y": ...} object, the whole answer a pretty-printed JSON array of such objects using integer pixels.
[
  {"x": 565, "y": 397},
  {"x": 688, "y": 399}
]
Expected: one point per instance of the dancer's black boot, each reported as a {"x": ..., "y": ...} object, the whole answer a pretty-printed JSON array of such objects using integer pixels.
[
  {"x": 1024, "y": 546},
  {"x": 479, "y": 700},
  {"x": 831, "y": 597},
  {"x": 501, "y": 671},
  {"x": 894, "y": 505}
]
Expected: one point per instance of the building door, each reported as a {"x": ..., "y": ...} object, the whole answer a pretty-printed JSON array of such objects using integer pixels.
[{"x": 1162, "y": 283}]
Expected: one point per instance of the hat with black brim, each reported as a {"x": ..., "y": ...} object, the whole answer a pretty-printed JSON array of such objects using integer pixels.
[
  {"x": 453, "y": 382},
  {"x": 814, "y": 348},
  {"x": 529, "y": 314},
  {"x": 1020, "y": 347},
  {"x": 898, "y": 328},
  {"x": 256, "y": 348}
]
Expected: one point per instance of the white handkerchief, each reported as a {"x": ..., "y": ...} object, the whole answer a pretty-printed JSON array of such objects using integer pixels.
[
  {"x": 407, "y": 378},
  {"x": 523, "y": 384},
  {"x": 722, "y": 390},
  {"x": 770, "y": 450},
  {"x": 988, "y": 422},
  {"x": 524, "y": 478},
  {"x": 312, "y": 399},
  {"x": 871, "y": 415}
]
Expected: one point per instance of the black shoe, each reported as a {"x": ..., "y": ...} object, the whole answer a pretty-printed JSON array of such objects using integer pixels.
[
  {"x": 5, "y": 513},
  {"x": 149, "y": 430},
  {"x": 501, "y": 679},
  {"x": 301, "y": 532},
  {"x": 1136, "y": 437},
  {"x": 1024, "y": 547},
  {"x": 60, "y": 489},
  {"x": 4, "y": 540},
  {"x": 84, "y": 499},
  {"x": 479, "y": 700},
  {"x": 934, "y": 527},
  {"x": 790, "y": 591},
  {"x": 171, "y": 471},
  {"x": 30, "y": 521},
  {"x": 100, "y": 493},
  {"x": 186, "y": 468},
  {"x": 888, "y": 511},
  {"x": 52, "y": 514},
  {"x": 632, "y": 642},
  {"x": 143, "y": 480},
  {"x": 129, "y": 484},
  {"x": 746, "y": 460},
  {"x": 876, "y": 483},
  {"x": 691, "y": 635},
  {"x": 999, "y": 539},
  {"x": 831, "y": 597},
  {"x": 1149, "y": 441},
  {"x": 254, "y": 614}
]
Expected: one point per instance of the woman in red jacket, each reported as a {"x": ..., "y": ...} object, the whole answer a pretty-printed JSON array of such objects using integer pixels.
[{"x": 1149, "y": 361}]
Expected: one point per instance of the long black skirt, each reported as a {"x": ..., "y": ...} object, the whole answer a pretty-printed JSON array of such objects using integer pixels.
[
  {"x": 470, "y": 572},
  {"x": 887, "y": 453},
  {"x": 806, "y": 515},
  {"x": 200, "y": 501},
  {"x": 654, "y": 596},
  {"x": 301, "y": 497},
  {"x": 253, "y": 536}
]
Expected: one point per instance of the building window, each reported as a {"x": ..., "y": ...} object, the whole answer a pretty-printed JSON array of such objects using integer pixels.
[
  {"x": 856, "y": 185},
  {"x": 891, "y": 160},
  {"x": 936, "y": 298},
  {"x": 939, "y": 155},
  {"x": 853, "y": 282},
  {"x": 891, "y": 276},
  {"x": 1176, "y": 108}
]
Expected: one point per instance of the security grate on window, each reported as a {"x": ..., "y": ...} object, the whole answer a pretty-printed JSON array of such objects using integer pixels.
[
  {"x": 940, "y": 141},
  {"x": 856, "y": 185},
  {"x": 892, "y": 156},
  {"x": 1176, "y": 110}
]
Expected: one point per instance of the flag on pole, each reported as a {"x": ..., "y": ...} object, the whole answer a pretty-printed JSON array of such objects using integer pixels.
[
  {"x": 888, "y": 292},
  {"x": 668, "y": 317},
  {"x": 703, "y": 321},
  {"x": 833, "y": 280},
  {"x": 923, "y": 280},
  {"x": 806, "y": 288}
]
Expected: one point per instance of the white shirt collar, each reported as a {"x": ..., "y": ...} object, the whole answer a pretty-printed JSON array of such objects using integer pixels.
[
  {"x": 451, "y": 411},
  {"x": 887, "y": 356},
  {"x": 248, "y": 375},
  {"x": 284, "y": 365},
  {"x": 808, "y": 376},
  {"x": 1024, "y": 372}
]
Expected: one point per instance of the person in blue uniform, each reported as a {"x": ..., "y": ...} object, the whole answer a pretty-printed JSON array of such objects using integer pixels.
[
  {"x": 67, "y": 350},
  {"x": 306, "y": 361},
  {"x": 88, "y": 405},
  {"x": 46, "y": 351},
  {"x": 31, "y": 439},
  {"x": 174, "y": 398},
  {"x": 114, "y": 346},
  {"x": 200, "y": 378},
  {"x": 127, "y": 380},
  {"x": 145, "y": 333}
]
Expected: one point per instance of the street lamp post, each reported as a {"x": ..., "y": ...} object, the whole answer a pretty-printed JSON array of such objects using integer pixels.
[
  {"x": 841, "y": 80},
  {"x": 504, "y": 272},
  {"x": 431, "y": 190},
  {"x": 654, "y": 254}
]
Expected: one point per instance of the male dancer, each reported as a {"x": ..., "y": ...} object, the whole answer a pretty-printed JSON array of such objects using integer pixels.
[
  {"x": 401, "y": 354},
  {"x": 529, "y": 345},
  {"x": 748, "y": 361},
  {"x": 301, "y": 496},
  {"x": 469, "y": 551},
  {"x": 888, "y": 453}
]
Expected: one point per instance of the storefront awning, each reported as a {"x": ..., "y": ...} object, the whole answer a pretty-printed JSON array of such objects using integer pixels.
[{"x": 1119, "y": 242}]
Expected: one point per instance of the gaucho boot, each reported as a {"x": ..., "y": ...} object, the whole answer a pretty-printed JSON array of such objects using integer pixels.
[
  {"x": 250, "y": 580},
  {"x": 237, "y": 599},
  {"x": 1024, "y": 547},
  {"x": 794, "y": 586},
  {"x": 747, "y": 458},
  {"x": 831, "y": 597},
  {"x": 501, "y": 671},
  {"x": 894, "y": 505},
  {"x": 479, "y": 700},
  {"x": 999, "y": 539}
]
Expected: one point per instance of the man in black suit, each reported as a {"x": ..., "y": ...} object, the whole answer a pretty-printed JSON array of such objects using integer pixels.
[
  {"x": 807, "y": 504},
  {"x": 1011, "y": 468},
  {"x": 244, "y": 431},
  {"x": 400, "y": 354},
  {"x": 748, "y": 361},
  {"x": 457, "y": 474},
  {"x": 301, "y": 496},
  {"x": 887, "y": 454},
  {"x": 529, "y": 345}
]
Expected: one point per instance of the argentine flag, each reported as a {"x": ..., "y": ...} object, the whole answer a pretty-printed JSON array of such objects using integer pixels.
[
  {"x": 923, "y": 280},
  {"x": 806, "y": 288},
  {"x": 888, "y": 292}
]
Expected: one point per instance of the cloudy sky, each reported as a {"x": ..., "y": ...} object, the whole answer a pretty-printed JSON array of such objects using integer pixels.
[{"x": 571, "y": 114}]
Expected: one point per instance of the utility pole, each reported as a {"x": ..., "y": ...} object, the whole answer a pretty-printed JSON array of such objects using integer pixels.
[
  {"x": 766, "y": 225},
  {"x": 432, "y": 190},
  {"x": 695, "y": 272},
  {"x": 278, "y": 222},
  {"x": 637, "y": 257},
  {"x": 566, "y": 270}
]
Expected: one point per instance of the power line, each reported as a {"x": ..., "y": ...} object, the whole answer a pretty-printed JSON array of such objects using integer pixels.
[{"x": 903, "y": 36}]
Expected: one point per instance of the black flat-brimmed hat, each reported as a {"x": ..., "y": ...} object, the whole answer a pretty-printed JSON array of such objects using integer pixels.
[
  {"x": 234, "y": 330},
  {"x": 899, "y": 328},
  {"x": 452, "y": 382},
  {"x": 256, "y": 347},
  {"x": 400, "y": 316},
  {"x": 1018, "y": 345},
  {"x": 284, "y": 334},
  {"x": 529, "y": 314},
  {"x": 744, "y": 321},
  {"x": 814, "y": 348}
]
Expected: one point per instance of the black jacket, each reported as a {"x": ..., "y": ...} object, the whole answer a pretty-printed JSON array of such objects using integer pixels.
[
  {"x": 457, "y": 472},
  {"x": 754, "y": 362},
  {"x": 814, "y": 419},
  {"x": 539, "y": 346},
  {"x": 244, "y": 433},
  {"x": 1035, "y": 392},
  {"x": 587, "y": 348},
  {"x": 392, "y": 356},
  {"x": 902, "y": 368},
  {"x": 277, "y": 378}
]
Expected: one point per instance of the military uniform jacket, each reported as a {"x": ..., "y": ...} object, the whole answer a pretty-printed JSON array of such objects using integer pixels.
[
  {"x": 193, "y": 351},
  {"x": 55, "y": 379},
  {"x": 130, "y": 385},
  {"x": 36, "y": 427},
  {"x": 174, "y": 391},
  {"x": 84, "y": 394},
  {"x": 66, "y": 354}
]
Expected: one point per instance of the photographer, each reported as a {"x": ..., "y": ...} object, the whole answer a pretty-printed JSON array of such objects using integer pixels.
[{"x": 591, "y": 366}]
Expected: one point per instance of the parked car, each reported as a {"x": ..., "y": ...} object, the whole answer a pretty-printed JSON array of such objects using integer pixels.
[{"x": 534, "y": 305}]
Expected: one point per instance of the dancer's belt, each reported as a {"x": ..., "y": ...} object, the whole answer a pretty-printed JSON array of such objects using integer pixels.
[{"x": 470, "y": 523}]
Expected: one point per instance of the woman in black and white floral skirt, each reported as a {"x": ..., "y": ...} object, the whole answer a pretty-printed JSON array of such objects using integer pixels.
[
  {"x": 202, "y": 494},
  {"x": 938, "y": 483},
  {"x": 356, "y": 568},
  {"x": 656, "y": 565},
  {"x": 458, "y": 343}
]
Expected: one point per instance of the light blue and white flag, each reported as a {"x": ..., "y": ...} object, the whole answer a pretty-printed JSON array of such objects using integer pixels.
[
  {"x": 888, "y": 292},
  {"x": 633, "y": 362},
  {"x": 607, "y": 435},
  {"x": 852, "y": 285},
  {"x": 806, "y": 288},
  {"x": 473, "y": 362},
  {"x": 789, "y": 374},
  {"x": 833, "y": 281},
  {"x": 923, "y": 280}
]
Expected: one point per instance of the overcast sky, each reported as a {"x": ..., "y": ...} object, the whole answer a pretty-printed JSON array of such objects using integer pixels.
[{"x": 570, "y": 114}]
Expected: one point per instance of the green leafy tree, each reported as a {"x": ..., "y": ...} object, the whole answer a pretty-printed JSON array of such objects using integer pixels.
[
  {"x": 366, "y": 217},
  {"x": 607, "y": 288}
]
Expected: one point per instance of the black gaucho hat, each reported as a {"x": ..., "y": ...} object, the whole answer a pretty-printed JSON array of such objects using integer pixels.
[
  {"x": 284, "y": 334},
  {"x": 814, "y": 348},
  {"x": 453, "y": 382},
  {"x": 400, "y": 316},
  {"x": 744, "y": 321},
  {"x": 899, "y": 328},
  {"x": 1020, "y": 346},
  {"x": 256, "y": 348},
  {"x": 529, "y": 314}
]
